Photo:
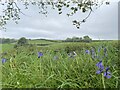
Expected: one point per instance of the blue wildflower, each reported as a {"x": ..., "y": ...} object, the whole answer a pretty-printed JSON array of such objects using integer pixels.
[
  {"x": 87, "y": 51},
  {"x": 93, "y": 53},
  {"x": 40, "y": 54},
  {"x": 99, "y": 49},
  {"x": 3, "y": 60},
  {"x": 100, "y": 66},
  {"x": 100, "y": 70},
  {"x": 105, "y": 51},
  {"x": 107, "y": 74}
]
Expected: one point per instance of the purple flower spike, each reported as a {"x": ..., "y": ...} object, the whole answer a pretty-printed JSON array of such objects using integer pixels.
[
  {"x": 107, "y": 74},
  {"x": 105, "y": 51},
  {"x": 93, "y": 53},
  {"x": 87, "y": 51},
  {"x": 100, "y": 66},
  {"x": 3, "y": 60},
  {"x": 107, "y": 68},
  {"x": 99, "y": 49},
  {"x": 98, "y": 72},
  {"x": 40, "y": 54}
]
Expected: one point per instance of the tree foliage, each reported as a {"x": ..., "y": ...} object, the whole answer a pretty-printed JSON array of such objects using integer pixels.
[
  {"x": 22, "y": 41},
  {"x": 7, "y": 40},
  {"x": 79, "y": 39},
  {"x": 11, "y": 10},
  {"x": 87, "y": 39}
]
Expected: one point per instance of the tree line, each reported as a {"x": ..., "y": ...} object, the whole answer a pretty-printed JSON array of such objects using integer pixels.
[
  {"x": 7, "y": 40},
  {"x": 23, "y": 40},
  {"x": 79, "y": 39}
]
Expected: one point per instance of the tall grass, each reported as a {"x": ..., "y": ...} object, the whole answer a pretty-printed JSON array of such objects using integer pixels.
[{"x": 24, "y": 69}]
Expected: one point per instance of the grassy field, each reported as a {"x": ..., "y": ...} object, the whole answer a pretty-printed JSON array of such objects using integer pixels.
[
  {"x": 6, "y": 47},
  {"x": 42, "y": 41},
  {"x": 61, "y": 65}
]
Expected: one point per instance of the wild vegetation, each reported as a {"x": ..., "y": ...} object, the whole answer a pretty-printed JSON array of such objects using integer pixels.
[
  {"x": 61, "y": 65},
  {"x": 71, "y": 63}
]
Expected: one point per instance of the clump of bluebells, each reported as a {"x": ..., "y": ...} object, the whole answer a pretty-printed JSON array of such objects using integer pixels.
[
  {"x": 101, "y": 70},
  {"x": 91, "y": 52},
  {"x": 96, "y": 54}
]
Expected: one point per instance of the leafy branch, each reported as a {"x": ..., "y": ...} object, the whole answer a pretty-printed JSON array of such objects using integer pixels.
[{"x": 12, "y": 10}]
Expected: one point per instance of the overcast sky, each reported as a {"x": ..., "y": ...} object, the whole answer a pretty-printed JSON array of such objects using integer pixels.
[{"x": 102, "y": 24}]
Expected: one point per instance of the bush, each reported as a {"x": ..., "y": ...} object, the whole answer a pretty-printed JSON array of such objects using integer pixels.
[{"x": 22, "y": 41}]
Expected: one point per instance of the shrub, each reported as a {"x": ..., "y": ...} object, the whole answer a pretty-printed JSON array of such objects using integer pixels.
[{"x": 22, "y": 41}]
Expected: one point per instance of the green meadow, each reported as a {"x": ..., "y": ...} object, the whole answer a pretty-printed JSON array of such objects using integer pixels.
[{"x": 60, "y": 65}]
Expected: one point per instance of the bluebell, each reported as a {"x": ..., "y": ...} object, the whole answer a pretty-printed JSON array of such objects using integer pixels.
[
  {"x": 93, "y": 53},
  {"x": 105, "y": 51},
  {"x": 87, "y": 51},
  {"x": 100, "y": 66},
  {"x": 99, "y": 49},
  {"x": 3, "y": 60},
  {"x": 107, "y": 74},
  {"x": 40, "y": 54}
]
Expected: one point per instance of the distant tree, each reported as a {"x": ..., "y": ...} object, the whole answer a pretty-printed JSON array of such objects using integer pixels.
[
  {"x": 87, "y": 39},
  {"x": 68, "y": 40},
  {"x": 75, "y": 39},
  {"x": 12, "y": 40},
  {"x": 22, "y": 41},
  {"x": 7, "y": 40},
  {"x": 80, "y": 39}
]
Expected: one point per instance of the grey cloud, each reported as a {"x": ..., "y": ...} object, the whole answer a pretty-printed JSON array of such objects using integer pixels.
[{"x": 101, "y": 24}]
